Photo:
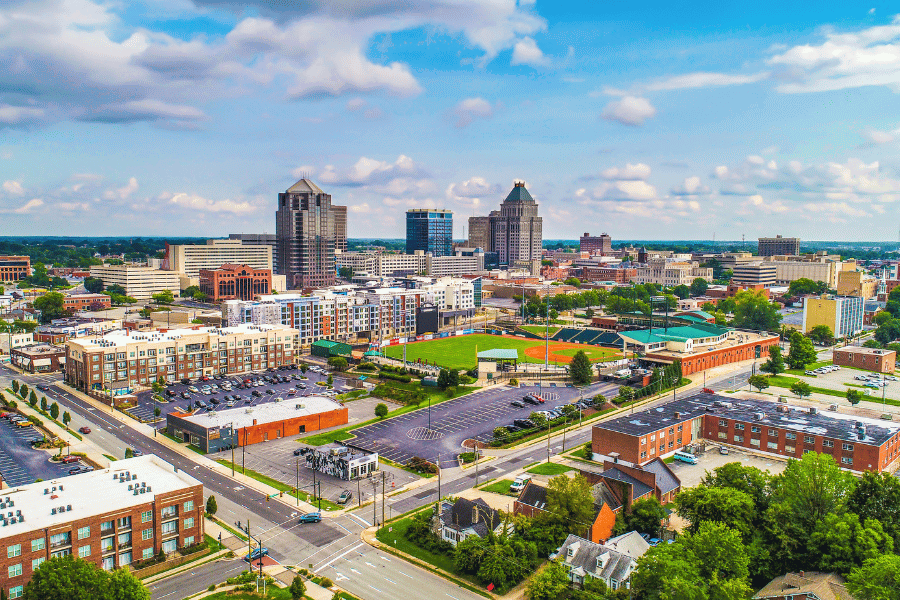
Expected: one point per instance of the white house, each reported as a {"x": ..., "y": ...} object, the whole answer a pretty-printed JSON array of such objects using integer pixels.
[
  {"x": 460, "y": 519},
  {"x": 612, "y": 562}
]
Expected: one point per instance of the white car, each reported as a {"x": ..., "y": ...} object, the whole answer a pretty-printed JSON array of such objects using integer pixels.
[
  {"x": 890, "y": 378},
  {"x": 193, "y": 389}
]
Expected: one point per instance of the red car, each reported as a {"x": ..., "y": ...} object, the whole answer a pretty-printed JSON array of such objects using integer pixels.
[
  {"x": 69, "y": 459},
  {"x": 85, "y": 430}
]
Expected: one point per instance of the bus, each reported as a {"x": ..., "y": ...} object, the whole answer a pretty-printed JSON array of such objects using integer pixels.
[{"x": 685, "y": 457}]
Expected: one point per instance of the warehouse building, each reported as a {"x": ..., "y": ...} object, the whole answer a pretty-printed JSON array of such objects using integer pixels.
[
  {"x": 856, "y": 443},
  {"x": 327, "y": 349},
  {"x": 234, "y": 427}
]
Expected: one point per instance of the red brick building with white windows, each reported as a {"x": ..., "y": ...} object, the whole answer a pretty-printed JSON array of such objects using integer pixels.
[{"x": 235, "y": 282}]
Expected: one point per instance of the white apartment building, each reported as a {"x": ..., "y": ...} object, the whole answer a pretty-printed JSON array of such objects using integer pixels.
[
  {"x": 189, "y": 259},
  {"x": 14, "y": 340},
  {"x": 450, "y": 293},
  {"x": 401, "y": 265},
  {"x": 139, "y": 282},
  {"x": 671, "y": 272}
]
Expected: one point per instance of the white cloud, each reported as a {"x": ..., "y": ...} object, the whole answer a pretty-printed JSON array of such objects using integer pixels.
[
  {"x": 19, "y": 115},
  {"x": 471, "y": 192},
  {"x": 466, "y": 111},
  {"x": 25, "y": 208},
  {"x": 360, "y": 208},
  {"x": 526, "y": 52},
  {"x": 703, "y": 80},
  {"x": 122, "y": 193},
  {"x": 14, "y": 188},
  {"x": 691, "y": 186},
  {"x": 194, "y": 202},
  {"x": 630, "y": 110},
  {"x": 625, "y": 190},
  {"x": 629, "y": 171},
  {"x": 368, "y": 171}
]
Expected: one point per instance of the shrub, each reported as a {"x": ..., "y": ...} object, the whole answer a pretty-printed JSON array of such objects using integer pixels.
[
  {"x": 326, "y": 583},
  {"x": 417, "y": 463},
  {"x": 366, "y": 366},
  {"x": 513, "y": 381},
  {"x": 211, "y": 587},
  {"x": 195, "y": 548},
  {"x": 381, "y": 410},
  {"x": 395, "y": 377}
]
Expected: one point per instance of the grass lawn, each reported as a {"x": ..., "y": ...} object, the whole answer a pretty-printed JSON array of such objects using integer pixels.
[
  {"x": 780, "y": 381},
  {"x": 501, "y": 486},
  {"x": 282, "y": 487},
  {"x": 272, "y": 593},
  {"x": 549, "y": 469},
  {"x": 396, "y": 538},
  {"x": 460, "y": 352}
]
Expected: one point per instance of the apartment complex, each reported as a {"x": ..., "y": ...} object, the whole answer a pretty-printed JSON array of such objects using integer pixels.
[
  {"x": 778, "y": 245},
  {"x": 842, "y": 314},
  {"x": 601, "y": 244},
  {"x": 671, "y": 272},
  {"x": 113, "y": 518},
  {"x": 857, "y": 283},
  {"x": 514, "y": 232},
  {"x": 75, "y": 302},
  {"x": 757, "y": 274},
  {"x": 307, "y": 236},
  {"x": 463, "y": 261},
  {"x": 429, "y": 230},
  {"x": 14, "y": 268},
  {"x": 856, "y": 443},
  {"x": 123, "y": 359},
  {"x": 241, "y": 282},
  {"x": 191, "y": 259},
  {"x": 139, "y": 282},
  {"x": 344, "y": 315}
]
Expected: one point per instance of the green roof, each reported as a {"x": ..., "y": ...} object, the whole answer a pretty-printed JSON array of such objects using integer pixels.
[
  {"x": 693, "y": 318},
  {"x": 325, "y": 344},
  {"x": 498, "y": 353},
  {"x": 372, "y": 353},
  {"x": 689, "y": 332},
  {"x": 519, "y": 194}
]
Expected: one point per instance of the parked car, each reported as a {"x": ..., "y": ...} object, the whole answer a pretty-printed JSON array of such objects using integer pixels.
[
  {"x": 257, "y": 554},
  {"x": 69, "y": 459},
  {"x": 85, "y": 430},
  {"x": 524, "y": 423},
  {"x": 517, "y": 404},
  {"x": 345, "y": 497},
  {"x": 185, "y": 395},
  {"x": 171, "y": 393},
  {"x": 313, "y": 517},
  {"x": 185, "y": 381},
  {"x": 81, "y": 469},
  {"x": 256, "y": 393}
]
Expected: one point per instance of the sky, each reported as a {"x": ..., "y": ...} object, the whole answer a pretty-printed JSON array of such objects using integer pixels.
[{"x": 658, "y": 120}]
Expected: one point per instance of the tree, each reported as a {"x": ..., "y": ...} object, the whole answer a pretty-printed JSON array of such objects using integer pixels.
[
  {"x": 156, "y": 411},
  {"x": 732, "y": 507},
  {"x": 805, "y": 286},
  {"x": 67, "y": 418},
  {"x": 877, "y": 496},
  {"x": 573, "y": 281},
  {"x": 580, "y": 369},
  {"x": 822, "y": 335},
  {"x": 304, "y": 367},
  {"x": 760, "y": 382},
  {"x": 682, "y": 291},
  {"x": 842, "y": 543},
  {"x": 93, "y": 284},
  {"x": 754, "y": 311},
  {"x": 211, "y": 506},
  {"x": 539, "y": 420},
  {"x": 749, "y": 480},
  {"x": 54, "y": 411},
  {"x": 775, "y": 364},
  {"x": 298, "y": 588},
  {"x": 23, "y": 391},
  {"x": 15, "y": 386},
  {"x": 722, "y": 558},
  {"x": 667, "y": 572},
  {"x": 76, "y": 579},
  {"x": 443, "y": 380},
  {"x": 877, "y": 579},
  {"x": 129, "y": 453},
  {"x": 802, "y": 351},
  {"x": 570, "y": 503},
  {"x": 43, "y": 402},
  {"x": 854, "y": 396},
  {"x": 330, "y": 380},
  {"x": 32, "y": 399},
  {"x": 626, "y": 394},
  {"x": 163, "y": 297},
  {"x": 549, "y": 583},
  {"x": 201, "y": 297},
  {"x": 339, "y": 363},
  {"x": 646, "y": 516},
  {"x": 122, "y": 585},
  {"x": 589, "y": 313},
  {"x": 801, "y": 388},
  {"x": 699, "y": 286},
  {"x": 381, "y": 410},
  {"x": 51, "y": 305},
  {"x": 454, "y": 378}
]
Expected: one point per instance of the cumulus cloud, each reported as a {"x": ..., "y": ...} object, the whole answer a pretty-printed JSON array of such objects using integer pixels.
[
  {"x": 691, "y": 186},
  {"x": 194, "y": 202},
  {"x": 470, "y": 109},
  {"x": 629, "y": 110},
  {"x": 703, "y": 80},
  {"x": 124, "y": 192},
  {"x": 14, "y": 188},
  {"x": 526, "y": 52},
  {"x": 26, "y": 208},
  {"x": 19, "y": 115},
  {"x": 470, "y": 192},
  {"x": 368, "y": 171},
  {"x": 629, "y": 171}
]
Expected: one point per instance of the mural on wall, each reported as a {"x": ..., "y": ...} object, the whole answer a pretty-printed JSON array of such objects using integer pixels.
[{"x": 340, "y": 462}]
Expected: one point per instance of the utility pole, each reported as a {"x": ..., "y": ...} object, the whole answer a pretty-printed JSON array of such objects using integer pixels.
[
  {"x": 383, "y": 475},
  {"x": 359, "y": 491},
  {"x": 439, "y": 477},
  {"x": 375, "y": 501},
  {"x": 320, "y": 496},
  {"x": 297, "y": 482},
  {"x": 476, "y": 464},
  {"x": 314, "y": 479},
  {"x": 548, "y": 440},
  {"x": 243, "y": 451}
]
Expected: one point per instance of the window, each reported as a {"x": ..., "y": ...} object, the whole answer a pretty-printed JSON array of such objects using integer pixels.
[
  {"x": 739, "y": 439},
  {"x": 106, "y": 545},
  {"x": 828, "y": 443},
  {"x": 16, "y": 592},
  {"x": 146, "y": 516},
  {"x": 109, "y": 563},
  {"x": 773, "y": 432},
  {"x": 644, "y": 454},
  {"x": 723, "y": 423},
  {"x": 643, "y": 441},
  {"x": 754, "y": 429},
  {"x": 168, "y": 512},
  {"x": 808, "y": 439},
  {"x": 15, "y": 570},
  {"x": 790, "y": 449},
  {"x": 124, "y": 522},
  {"x": 772, "y": 445},
  {"x": 189, "y": 523},
  {"x": 124, "y": 559},
  {"x": 170, "y": 527},
  {"x": 188, "y": 541},
  {"x": 847, "y": 447},
  {"x": 846, "y": 460},
  {"x": 125, "y": 539},
  {"x": 61, "y": 539},
  {"x": 14, "y": 551},
  {"x": 147, "y": 553},
  {"x": 107, "y": 526},
  {"x": 189, "y": 506},
  {"x": 790, "y": 436},
  {"x": 723, "y": 435},
  {"x": 754, "y": 442},
  {"x": 84, "y": 532},
  {"x": 739, "y": 426},
  {"x": 84, "y": 551},
  {"x": 37, "y": 562}
]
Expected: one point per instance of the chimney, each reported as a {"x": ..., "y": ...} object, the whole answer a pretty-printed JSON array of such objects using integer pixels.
[{"x": 254, "y": 421}]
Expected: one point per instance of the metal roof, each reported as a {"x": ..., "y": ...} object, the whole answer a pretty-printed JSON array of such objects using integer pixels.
[
  {"x": 499, "y": 353},
  {"x": 305, "y": 186},
  {"x": 686, "y": 332}
]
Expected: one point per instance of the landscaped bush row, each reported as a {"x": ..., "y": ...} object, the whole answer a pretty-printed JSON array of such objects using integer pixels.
[
  {"x": 395, "y": 377},
  {"x": 417, "y": 463},
  {"x": 415, "y": 397}
]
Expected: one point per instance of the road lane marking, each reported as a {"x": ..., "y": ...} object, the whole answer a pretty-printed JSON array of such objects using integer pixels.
[
  {"x": 346, "y": 552},
  {"x": 380, "y": 592},
  {"x": 357, "y": 517},
  {"x": 391, "y": 580},
  {"x": 405, "y": 575}
]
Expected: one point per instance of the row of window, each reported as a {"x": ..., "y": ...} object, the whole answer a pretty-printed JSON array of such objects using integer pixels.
[{"x": 807, "y": 439}]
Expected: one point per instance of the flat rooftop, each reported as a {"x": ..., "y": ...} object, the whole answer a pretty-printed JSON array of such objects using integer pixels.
[
  {"x": 39, "y": 350},
  {"x": 78, "y": 497},
  {"x": 829, "y": 424},
  {"x": 121, "y": 337},
  {"x": 270, "y": 412},
  {"x": 864, "y": 350}
]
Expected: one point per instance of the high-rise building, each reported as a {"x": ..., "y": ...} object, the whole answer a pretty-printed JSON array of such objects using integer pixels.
[
  {"x": 429, "y": 231},
  {"x": 480, "y": 233},
  {"x": 190, "y": 259},
  {"x": 516, "y": 229},
  {"x": 340, "y": 227},
  {"x": 842, "y": 314},
  {"x": 779, "y": 246},
  {"x": 306, "y": 236},
  {"x": 259, "y": 239},
  {"x": 592, "y": 243}
]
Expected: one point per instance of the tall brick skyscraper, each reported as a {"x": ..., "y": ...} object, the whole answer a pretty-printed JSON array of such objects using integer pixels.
[{"x": 306, "y": 236}]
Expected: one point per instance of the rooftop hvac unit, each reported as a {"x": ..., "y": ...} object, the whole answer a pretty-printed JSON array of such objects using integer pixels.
[
  {"x": 759, "y": 416},
  {"x": 813, "y": 410},
  {"x": 52, "y": 512},
  {"x": 69, "y": 508}
]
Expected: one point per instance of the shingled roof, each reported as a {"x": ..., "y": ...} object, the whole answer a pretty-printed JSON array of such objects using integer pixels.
[
  {"x": 825, "y": 586},
  {"x": 464, "y": 514},
  {"x": 534, "y": 495}
]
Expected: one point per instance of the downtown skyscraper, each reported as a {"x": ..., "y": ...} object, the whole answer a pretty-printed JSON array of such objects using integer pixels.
[{"x": 306, "y": 236}]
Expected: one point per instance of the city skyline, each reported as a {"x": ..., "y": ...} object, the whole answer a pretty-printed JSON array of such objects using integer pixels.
[{"x": 183, "y": 117}]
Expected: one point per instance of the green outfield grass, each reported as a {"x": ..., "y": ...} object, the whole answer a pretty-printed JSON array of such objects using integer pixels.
[{"x": 459, "y": 352}]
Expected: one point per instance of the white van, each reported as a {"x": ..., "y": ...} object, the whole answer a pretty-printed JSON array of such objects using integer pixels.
[
  {"x": 622, "y": 373},
  {"x": 519, "y": 484}
]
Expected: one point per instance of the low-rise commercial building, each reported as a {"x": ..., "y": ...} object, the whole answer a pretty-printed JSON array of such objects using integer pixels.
[
  {"x": 124, "y": 359},
  {"x": 112, "y": 518},
  {"x": 14, "y": 268},
  {"x": 757, "y": 274},
  {"x": 667, "y": 272},
  {"x": 60, "y": 330},
  {"x": 76, "y": 302},
  {"x": 340, "y": 461},
  {"x": 191, "y": 259},
  {"x": 842, "y": 314},
  {"x": 139, "y": 282},
  {"x": 856, "y": 443},
  {"x": 233, "y": 427},
  {"x": 9, "y": 341},
  {"x": 38, "y": 358},
  {"x": 235, "y": 282},
  {"x": 870, "y": 359}
]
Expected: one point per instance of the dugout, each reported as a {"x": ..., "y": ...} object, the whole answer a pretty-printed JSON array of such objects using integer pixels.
[{"x": 491, "y": 362}]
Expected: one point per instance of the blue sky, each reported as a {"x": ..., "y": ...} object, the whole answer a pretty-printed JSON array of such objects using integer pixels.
[{"x": 669, "y": 120}]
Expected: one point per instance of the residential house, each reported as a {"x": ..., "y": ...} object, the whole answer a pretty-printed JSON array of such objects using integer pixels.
[
  {"x": 612, "y": 562},
  {"x": 805, "y": 586},
  {"x": 463, "y": 518}
]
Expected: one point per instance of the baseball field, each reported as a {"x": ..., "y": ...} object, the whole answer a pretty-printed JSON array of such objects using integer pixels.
[{"x": 459, "y": 352}]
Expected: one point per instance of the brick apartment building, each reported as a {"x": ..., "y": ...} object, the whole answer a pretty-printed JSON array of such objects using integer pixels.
[
  {"x": 235, "y": 282},
  {"x": 112, "y": 518},
  {"x": 870, "y": 359},
  {"x": 620, "y": 276},
  {"x": 125, "y": 359},
  {"x": 77, "y": 302},
  {"x": 856, "y": 443},
  {"x": 14, "y": 268}
]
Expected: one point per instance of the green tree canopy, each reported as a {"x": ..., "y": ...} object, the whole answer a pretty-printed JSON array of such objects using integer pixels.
[
  {"x": 877, "y": 496},
  {"x": 163, "y": 297},
  {"x": 298, "y": 588},
  {"x": 381, "y": 410},
  {"x": 76, "y": 579},
  {"x": 646, "y": 516},
  {"x": 682, "y": 291},
  {"x": 802, "y": 351},
  {"x": 760, "y": 382},
  {"x": 550, "y": 583},
  {"x": 115, "y": 289},
  {"x": 699, "y": 286},
  {"x": 877, "y": 579},
  {"x": 754, "y": 311},
  {"x": 580, "y": 369},
  {"x": 801, "y": 388},
  {"x": 569, "y": 502},
  {"x": 93, "y": 284},
  {"x": 822, "y": 335},
  {"x": 704, "y": 504},
  {"x": 750, "y": 480},
  {"x": 338, "y": 362},
  {"x": 51, "y": 305},
  {"x": 842, "y": 543},
  {"x": 775, "y": 364},
  {"x": 211, "y": 506},
  {"x": 854, "y": 397}
]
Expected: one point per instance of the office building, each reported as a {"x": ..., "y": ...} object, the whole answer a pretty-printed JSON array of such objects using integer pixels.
[
  {"x": 307, "y": 237},
  {"x": 112, "y": 518},
  {"x": 259, "y": 239},
  {"x": 429, "y": 230},
  {"x": 480, "y": 233},
  {"x": 856, "y": 443},
  {"x": 463, "y": 261},
  {"x": 842, "y": 314},
  {"x": 14, "y": 268},
  {"x": 76, "y": 302},
  {"x": 340, "y": 227},
  {"x": 123, "y": 359},
  {"x": 235, "y": 427},
  {"x": 857, "y": 283},
  {"x": 601, "y": 244},
  {"x": 778, "y": 245},
  {"x": 191, "y": 259},
  {"x": 870, "y": 359},
  {"x": 813, "y": 267},
  {"x": 139, "y": 283},
  {"x": 235, "y": 282},
  {"x": 755, "y": 274},
  {"x": 670, "y": 272},
  {"x": 514, "y": 232}
]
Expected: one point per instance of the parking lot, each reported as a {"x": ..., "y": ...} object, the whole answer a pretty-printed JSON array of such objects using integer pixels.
[
  {"x": 19, "y": 462},
  {"x": 691, "y": 475},
  {"x": 837, "y": 380},
  {"x": 144, "y": 411},
  {"x": 276, "y": 459},
  {"x": 469, "y": 417}
]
